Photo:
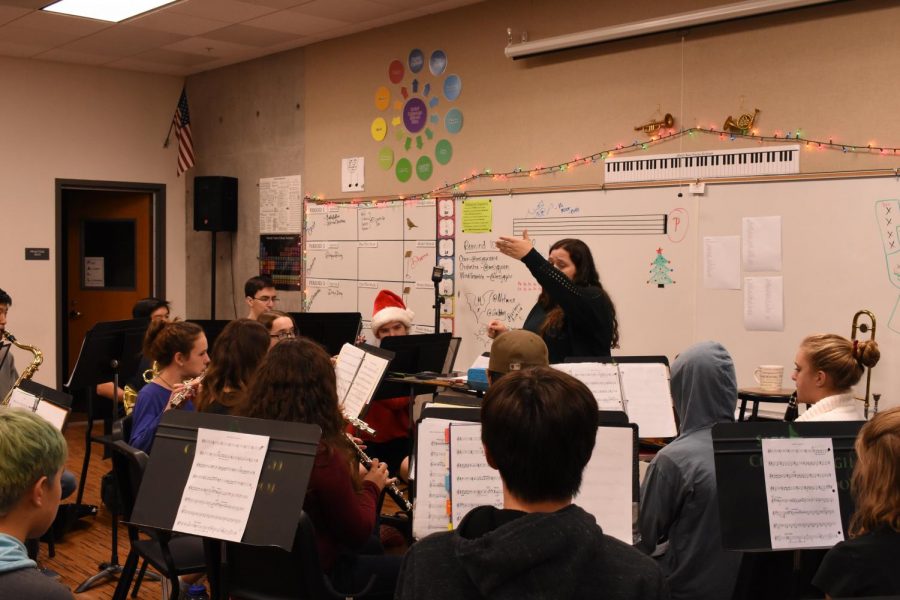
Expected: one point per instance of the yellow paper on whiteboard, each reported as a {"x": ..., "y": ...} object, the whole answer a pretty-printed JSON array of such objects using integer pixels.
[{"x": 477, "y": 216}]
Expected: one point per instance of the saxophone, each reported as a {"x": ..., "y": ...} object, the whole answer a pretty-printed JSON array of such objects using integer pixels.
[{"x": 28, "y": 373}]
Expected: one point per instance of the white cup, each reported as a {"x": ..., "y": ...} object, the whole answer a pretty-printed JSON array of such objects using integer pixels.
[{"x": 769, "y": 377}]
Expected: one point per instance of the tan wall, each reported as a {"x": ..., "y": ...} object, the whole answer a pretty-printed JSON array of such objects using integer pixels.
[
  {"x": 74, "y": 122},
  {"x": 822, "y": 70}
]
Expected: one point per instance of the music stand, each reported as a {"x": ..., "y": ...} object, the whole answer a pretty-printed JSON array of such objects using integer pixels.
[
  {"x": 413, "y": 354},
  {"x": 108, "y": 348},
  {"x": 330, "y": 329},
  {"x": 211, "y": 327},
  {"x": 282, "y": 483}
]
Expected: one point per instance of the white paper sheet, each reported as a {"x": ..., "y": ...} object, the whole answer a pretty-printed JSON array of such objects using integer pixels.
[
  {"x": 432, "y": 472},
  {"x": 801, "y": 491},
  {"x": 280, "y": 205},
  {"x": 220, "y": 489},
  {"x": 358, "y": 375},
  {"x": 722, "y": 262},
  {"x": 353, "y": 174},
  {"x": 764, "y": 303},
  {"x": 761, "y": 249},
  {"x": 94, "y": 271},
  {"x": 473, "y": 482},
  {"x": 51, "y": 413},
  {"x": 601, "y": 378},
  {"x": 648, "y": 399},
  {"x": 606, "y": 486}
]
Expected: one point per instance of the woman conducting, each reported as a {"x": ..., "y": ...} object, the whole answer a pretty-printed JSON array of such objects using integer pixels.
[
  {"x": 296, "y": 382},
  {"x": 574, "y": 314},
  {"x": 825, "y": 368}
]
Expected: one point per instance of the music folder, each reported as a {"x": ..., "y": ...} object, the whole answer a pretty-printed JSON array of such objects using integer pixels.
[{"x": 282, "y": 483}]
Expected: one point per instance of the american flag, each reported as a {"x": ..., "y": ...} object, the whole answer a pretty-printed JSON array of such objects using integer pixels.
[{"x": 182, "y": 123}]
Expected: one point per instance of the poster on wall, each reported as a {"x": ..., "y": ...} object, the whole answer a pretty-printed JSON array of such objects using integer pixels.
[
  {"x": 281, "y": 257},
  {"x": 280, "y": 205}
]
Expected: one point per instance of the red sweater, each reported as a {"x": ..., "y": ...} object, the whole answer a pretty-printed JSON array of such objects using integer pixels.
[
  {"x": 389, "y": 418},
  {"x": 343, "y": 517}
]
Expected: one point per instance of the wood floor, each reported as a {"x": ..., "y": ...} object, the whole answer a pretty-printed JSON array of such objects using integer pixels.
[{"x": 89, "y": 542}]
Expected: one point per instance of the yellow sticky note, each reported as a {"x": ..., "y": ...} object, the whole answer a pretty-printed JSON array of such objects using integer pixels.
[{"x": 477, "y": 215}]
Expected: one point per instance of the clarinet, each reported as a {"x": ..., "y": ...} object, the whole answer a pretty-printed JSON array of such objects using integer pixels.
[
  {"x": 392, "y": 490},
  {"x": 790, "y": 414}
]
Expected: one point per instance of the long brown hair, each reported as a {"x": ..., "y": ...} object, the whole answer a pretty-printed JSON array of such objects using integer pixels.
[
  {"x": 586, "y": 275},
  {"x": 165, "y": 339},
  {"x": 235, "y": 356},
  {"x": 296, "y": 382},
  {"x": 876, "y": 476},
  {"x": 841, "y": 359},
  {"x": 268, "y": 317}
]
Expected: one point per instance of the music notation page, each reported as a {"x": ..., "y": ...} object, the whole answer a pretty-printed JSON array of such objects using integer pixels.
[
  {"x": 431, "y": 512},
  {"x": 358, "y": 375},
  {"x": 601, "y": 378},
  {"x": 220, "y": 489},
  {"x": 801, "y": 492},
  {"x": 607, "y": 484},
  {"x": 473, "y": 482},
  {"x": 648, "y": 399}
]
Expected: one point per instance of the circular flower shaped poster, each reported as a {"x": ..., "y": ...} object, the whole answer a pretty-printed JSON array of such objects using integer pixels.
[{"x": 417, "y": 117}]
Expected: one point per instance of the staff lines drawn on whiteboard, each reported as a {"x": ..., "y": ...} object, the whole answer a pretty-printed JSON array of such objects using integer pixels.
[{"x": 647, "y": 224}]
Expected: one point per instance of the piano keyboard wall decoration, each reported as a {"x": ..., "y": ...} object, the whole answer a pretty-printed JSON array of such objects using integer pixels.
[{"x": 744, "y": 162}]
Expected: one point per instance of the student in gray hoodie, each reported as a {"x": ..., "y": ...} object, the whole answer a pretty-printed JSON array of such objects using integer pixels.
[
  {"x": 679, "y": 511},
  {"x": 539, "y": 426},
  {"x": 32, "y": 453}
]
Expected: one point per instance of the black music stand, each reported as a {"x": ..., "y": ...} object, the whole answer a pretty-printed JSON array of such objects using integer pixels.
[
  {"x": 108, "y": 349},
  {"x": 282, "y": 484},
  {"x": 413, "y": 354},
  {"x": 743, "y": 508},
  {"x": 211, "y": 327},
  {"x": 330, "y": 329}
]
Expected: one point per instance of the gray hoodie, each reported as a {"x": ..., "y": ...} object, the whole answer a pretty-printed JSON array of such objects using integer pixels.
[{"x": 679, "y": 512}]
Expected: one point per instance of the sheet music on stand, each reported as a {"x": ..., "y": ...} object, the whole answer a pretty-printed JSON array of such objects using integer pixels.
[
  {"x": 639, "y": 389},
  {"x": 359, "y": 371},
  {"x": 36, "y": 398}
]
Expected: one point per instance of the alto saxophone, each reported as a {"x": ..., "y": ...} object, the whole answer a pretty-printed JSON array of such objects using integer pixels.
[{"x": 28, "y": 373}]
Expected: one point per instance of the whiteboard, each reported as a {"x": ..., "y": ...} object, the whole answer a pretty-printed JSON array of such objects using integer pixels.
[{"x": 837, "y": 259}]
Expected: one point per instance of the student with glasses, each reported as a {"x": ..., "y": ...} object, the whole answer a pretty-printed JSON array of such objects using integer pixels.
[
  {"x": 261, "y": 295},
  {"x": 279, "y": 325}
]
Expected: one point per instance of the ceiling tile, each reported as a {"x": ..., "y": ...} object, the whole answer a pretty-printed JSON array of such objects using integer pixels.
[
  {"x": 70, "y": 56},
  {"x": 18, "y": 50},
  {"x": 32, "y": 4},
  {"x": 145, "y": 66},
  {"x": 26, "y": 35},
  {"x": 125, "y": 40},
  {"x": 230, "y": 11},
  {"x": 177, "y": 23},
  {"x": 77, "y": 26},
  {"x": 250, "y": 36},
  {"x": 350, "y": 11},
  {"x": 280, "y": 4},
  {"x": 173, "y": 57},
  {"x": 207, "y": 47},
  {"x": 295, "y": 22},
  {"x": 11, "y": 13}
]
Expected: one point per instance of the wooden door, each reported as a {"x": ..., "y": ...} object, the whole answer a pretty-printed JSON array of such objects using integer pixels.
[{"x": 109, "y": 260}]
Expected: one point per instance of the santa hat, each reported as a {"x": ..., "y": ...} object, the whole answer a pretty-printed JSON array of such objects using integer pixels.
[{"x": 390, "y": 307}]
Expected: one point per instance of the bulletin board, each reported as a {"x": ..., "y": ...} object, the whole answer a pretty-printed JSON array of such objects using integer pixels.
[{"x": 839, "y": 249}]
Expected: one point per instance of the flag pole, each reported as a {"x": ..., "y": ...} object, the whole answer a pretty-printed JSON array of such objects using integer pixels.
[{"x": 169, "y": 134}]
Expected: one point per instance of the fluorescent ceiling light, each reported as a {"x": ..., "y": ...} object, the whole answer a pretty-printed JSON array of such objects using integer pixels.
[
  {"x": 105, "y": 10},
  {"x": 705, "y": 16}
]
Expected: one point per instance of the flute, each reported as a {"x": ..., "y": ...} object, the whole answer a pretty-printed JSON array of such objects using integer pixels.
[
  {"x": 189, "y": 389},
  {"x": 392, "y": 490}
]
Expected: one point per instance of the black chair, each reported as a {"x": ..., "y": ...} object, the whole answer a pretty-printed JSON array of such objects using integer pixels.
[
  {"x": 171, "y": 555},
  {"x": 266, "y": 573}
]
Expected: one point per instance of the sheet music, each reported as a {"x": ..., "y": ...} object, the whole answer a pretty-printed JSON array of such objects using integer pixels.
[
  {"x": 648, "y": 400},
  {"x": 607, "y": 484},
  {"x": 431, "y": 512},
  {"x": 601, "y": 378},
  {"x": 801, "y": 491},
  {"x": 55, "y": 415},
  {"x": 220, "y": 489},
  {"x": 472, "y": 481},
  {"x": 358, "y": 375}
]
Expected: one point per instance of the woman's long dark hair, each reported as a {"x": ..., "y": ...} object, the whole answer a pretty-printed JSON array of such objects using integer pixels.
[
  {"x": 235, "y": 356},
  {"x": 296, "y": 382},
  {"x": 586, "y": 275}
]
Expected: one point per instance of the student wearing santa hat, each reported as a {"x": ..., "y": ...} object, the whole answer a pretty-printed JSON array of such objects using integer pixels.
[{"x": 389, "y": 417}]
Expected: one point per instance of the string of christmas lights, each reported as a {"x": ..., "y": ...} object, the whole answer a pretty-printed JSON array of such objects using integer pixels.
[{"x": 636, "y": 146}]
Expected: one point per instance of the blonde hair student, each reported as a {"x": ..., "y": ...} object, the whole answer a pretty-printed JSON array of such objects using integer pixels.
[
  {"x": 866, "y": 564},
  {"x": 825, "y": 368}
]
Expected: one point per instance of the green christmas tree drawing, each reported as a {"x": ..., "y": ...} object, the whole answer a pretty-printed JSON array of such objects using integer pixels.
[{"x": 659, "y": 274}]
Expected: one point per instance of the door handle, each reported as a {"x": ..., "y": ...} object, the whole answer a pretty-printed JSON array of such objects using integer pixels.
[{"x": 74, "y": 314}]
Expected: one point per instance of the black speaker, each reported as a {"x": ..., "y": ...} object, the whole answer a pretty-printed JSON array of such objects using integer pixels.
[{"x": 215, "y": 203}]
